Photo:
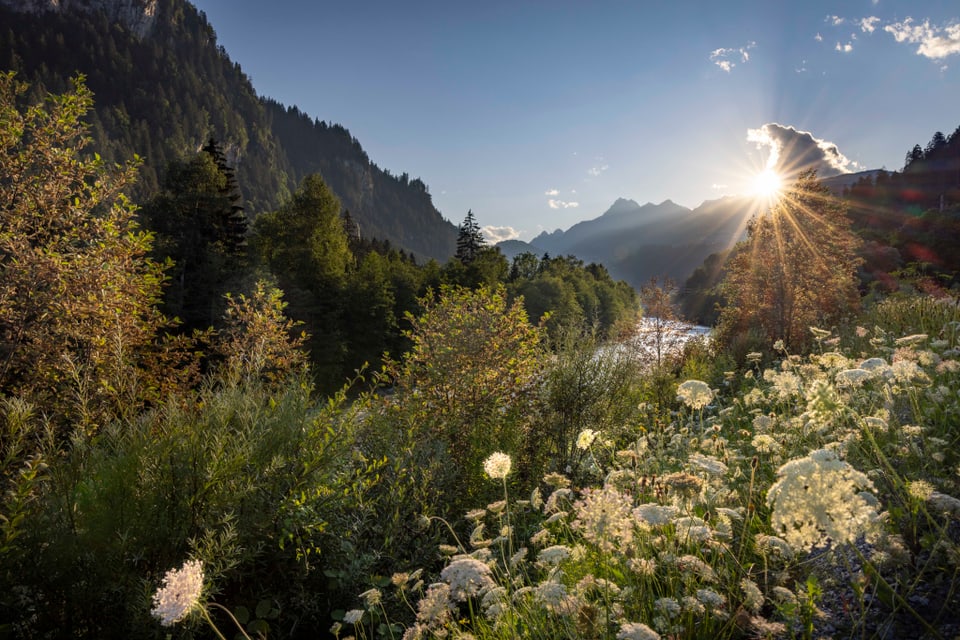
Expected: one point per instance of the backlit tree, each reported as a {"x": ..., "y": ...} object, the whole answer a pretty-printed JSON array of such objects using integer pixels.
[
  {"x": 77, "y": 292},
  {"x": 796, "y": 269}
]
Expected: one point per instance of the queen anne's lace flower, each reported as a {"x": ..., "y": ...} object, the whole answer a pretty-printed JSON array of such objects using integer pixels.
[
  {"x": 586, "y": 438},
  {"x": 696, "y": 394},
  {"x": 180, "y": 593},
  {"x": 604, "y": 517},
  {"x": 752, "y": 596},
  {"x": 654, "y": 514},
  {"x": 552, "y": 556},
  {"x": 636, "y": 631},
  {"x": 818, "y": 496},
  {"x": 435, "y": 606},
  {"x": 497, "y": 466},
  {"x": 467, "y": 577}
]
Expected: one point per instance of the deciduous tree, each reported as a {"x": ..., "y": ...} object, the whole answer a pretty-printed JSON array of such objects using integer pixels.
[
  {"x": 796, "y": 269},
  {"x": 77, "y": 292}
]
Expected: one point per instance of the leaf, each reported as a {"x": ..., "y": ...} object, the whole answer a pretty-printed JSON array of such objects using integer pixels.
[
  {"x": 242, "y": 614},
  {"x": 263, "y": 608}
]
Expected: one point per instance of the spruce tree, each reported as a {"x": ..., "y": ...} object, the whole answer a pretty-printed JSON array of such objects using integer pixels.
[{"x": 469, "y": 240}]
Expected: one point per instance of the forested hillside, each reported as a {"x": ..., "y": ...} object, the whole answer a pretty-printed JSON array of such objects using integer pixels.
[{"x": 165, "y": 94}]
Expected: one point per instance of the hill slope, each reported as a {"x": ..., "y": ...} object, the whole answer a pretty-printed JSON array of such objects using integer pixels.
[{"x": 163, "y": 87}]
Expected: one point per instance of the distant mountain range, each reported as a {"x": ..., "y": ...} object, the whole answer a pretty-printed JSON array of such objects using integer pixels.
[{"x": 636, "y": 242}]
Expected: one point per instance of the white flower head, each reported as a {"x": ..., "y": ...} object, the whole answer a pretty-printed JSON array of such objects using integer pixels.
[
  {"x": 636, "y": 631},
  {"x": 467, "y": 577},
  {"x": 696, "y": 394},
  {"x": 180, "y": 593},
  {"x": 819, "y": 496},
  {"x": 497, "y": 466},
  {"x": 586, "y": 438}
]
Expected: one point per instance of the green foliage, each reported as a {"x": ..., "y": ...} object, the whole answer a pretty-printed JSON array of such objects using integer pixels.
[
  {"x": 469, "y": 375},
  {"x": 576, "y": 296},
  {"x": 77, "y": 292},
  {"x": 305, "y": 246},
  {"x": 193, "y": 221},
  {"x": 263, "y": 485},
  {"x": 586, "y": 385}
]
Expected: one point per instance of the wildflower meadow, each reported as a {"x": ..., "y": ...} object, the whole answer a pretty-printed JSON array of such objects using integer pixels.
[{"x": 801, "y": 497}]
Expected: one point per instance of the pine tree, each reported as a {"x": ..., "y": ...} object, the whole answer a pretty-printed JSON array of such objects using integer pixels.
[
  {"x": 469, "y": 240},
  {"x": 233, "y": 223}
]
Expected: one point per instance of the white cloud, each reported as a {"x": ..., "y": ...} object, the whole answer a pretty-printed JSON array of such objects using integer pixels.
[
  {"x": 727, "y": 58},
  {"x": 596, "y": 171},
  {"x": 844, "y": 48},
  {"x": 718, "y": 187},
  {"x": 551, "y": 192},
  {"x": 935, "y": 42},
  {"x": 560, "y": 204},
  {"x": 868, "y": 25},
  {"x": 494, "y": 235},
  {"x": 791, "y": 151},
  {"x": 835, "y": 20},
  {"x": 818, "y": 37}
]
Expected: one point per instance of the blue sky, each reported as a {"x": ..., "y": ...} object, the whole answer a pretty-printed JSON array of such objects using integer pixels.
[{"x": 537, "y": 115}]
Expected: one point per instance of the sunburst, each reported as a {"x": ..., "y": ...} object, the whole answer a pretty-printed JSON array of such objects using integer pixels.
[{"x": 766, "y": 185}]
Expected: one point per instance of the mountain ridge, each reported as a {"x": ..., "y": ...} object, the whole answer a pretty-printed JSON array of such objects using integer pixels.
[{"x": 163, "y": 87}]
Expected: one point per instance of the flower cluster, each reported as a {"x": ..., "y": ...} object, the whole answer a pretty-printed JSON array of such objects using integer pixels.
[{"x": 180, "y": 593}]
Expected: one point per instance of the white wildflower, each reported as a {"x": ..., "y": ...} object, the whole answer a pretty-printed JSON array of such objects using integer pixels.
[
  {"x": 708, "y": 463},
  {"x": 763, "y": 422},
  {"x": 669, "y": 607},
  {"x": 353, "y": 616},
  {"x": 552, "y": 556},
  {"x": 371, "y": 597},
  {"x": 695, "y": 394},
  {"x": 643, "y": 566},
  {"x": 435, "y": 606},
  {"x": 765, "y": 443},
  {"x": 752, "y": 596},
  {"x": 710, "y": 598},
  {"x": 180, "y": 593},
  {"x": 497, "y": 466},
  {"x": 604, "y": 517},
  {"x": 817, "y": 496},
  {"x": 586, "y": 438},
  {"x": 636, "y": 631},
  {"x": 654, "y": 514},
  {"x": 467, "y": 577},
  {"x": 850, "y": 378},
  {"x": 920, "y": 489}
]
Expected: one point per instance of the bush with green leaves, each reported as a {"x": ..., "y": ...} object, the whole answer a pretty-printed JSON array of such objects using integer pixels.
[{"x": 261, "y": 484}]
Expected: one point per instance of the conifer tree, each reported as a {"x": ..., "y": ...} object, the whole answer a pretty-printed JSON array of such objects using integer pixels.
[{"x": 469, "y": 240}]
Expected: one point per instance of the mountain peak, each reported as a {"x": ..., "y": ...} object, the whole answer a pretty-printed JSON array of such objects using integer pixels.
[
  {"x": 136, "y": 15},
  {"x": 621, "y": 206}
]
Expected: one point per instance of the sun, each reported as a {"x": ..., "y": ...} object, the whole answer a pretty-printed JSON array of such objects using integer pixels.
[{"x": 766, "y": 184}]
